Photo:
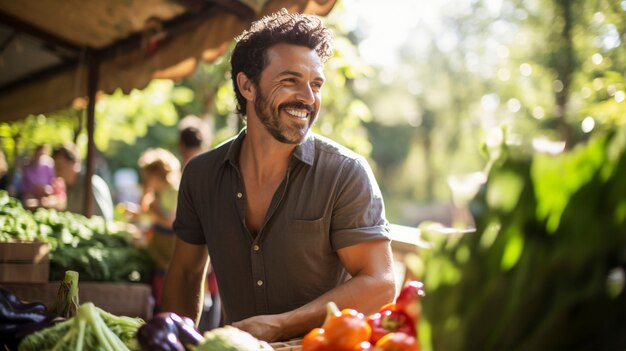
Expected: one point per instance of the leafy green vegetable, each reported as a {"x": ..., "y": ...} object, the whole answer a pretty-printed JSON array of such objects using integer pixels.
[
  {"x": 545, "y": 268},
  {"x": 96, "y": 250},
  {"x": 66, "y": 304},
  {"x": 91, "y": 329}
]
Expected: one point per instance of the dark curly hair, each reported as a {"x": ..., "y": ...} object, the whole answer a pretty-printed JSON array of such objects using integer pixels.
[{"x": 249, "y": 54}]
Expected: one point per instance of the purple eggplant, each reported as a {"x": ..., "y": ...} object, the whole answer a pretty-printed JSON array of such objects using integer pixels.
[
  {"x": 14, "y": 311},
  {"x": 187, "y": 332},
  {"x": 168, "y": 331},
  {"x": 159, "y": 334},
  {"x": 19, "y": 319}
]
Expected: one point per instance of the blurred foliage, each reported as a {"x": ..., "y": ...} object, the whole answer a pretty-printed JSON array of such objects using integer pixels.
[
  {"x": 539, "y": 68},
  {"x": 545, "y": 269},
  {"x": 120, "y": 120}
]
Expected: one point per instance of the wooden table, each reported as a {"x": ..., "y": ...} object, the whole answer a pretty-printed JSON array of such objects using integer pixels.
[{"x": 405, "y": 239}]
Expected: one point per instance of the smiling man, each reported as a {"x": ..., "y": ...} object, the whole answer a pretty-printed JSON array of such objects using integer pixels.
[{"x": 290, "y": 220}]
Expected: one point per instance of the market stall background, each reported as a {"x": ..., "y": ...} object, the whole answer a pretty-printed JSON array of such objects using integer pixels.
[
  {"x": 547, "y": 254},
  {"x": 55, "y": 52}
]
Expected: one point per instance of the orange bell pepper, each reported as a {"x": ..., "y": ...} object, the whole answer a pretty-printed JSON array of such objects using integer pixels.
[{"x": 344, "y": 330}]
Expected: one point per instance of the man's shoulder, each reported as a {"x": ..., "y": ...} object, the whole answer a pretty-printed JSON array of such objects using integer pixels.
[{"x": 328, "y": 147}]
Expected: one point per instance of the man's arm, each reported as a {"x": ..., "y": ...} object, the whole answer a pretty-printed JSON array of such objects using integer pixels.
[
  {"x": 371, "y": 286},
  {"x": 183, "y": 289}
]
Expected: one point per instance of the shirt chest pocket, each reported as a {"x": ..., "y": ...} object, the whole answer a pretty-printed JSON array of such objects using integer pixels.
[{"x": 310, "y": 236}]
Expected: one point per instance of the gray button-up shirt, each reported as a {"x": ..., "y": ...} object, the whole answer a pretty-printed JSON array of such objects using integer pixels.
[{"x": 328, "y": 200}]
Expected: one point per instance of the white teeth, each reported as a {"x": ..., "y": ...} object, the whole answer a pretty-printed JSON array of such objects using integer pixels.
[{"x": 299, "y": 114}]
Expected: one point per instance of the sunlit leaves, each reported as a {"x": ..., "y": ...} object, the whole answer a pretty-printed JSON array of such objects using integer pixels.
[
  {"x": 504, "y": 190},
  {"x": 606, "y": 99},
  {"x": 182, "y": 95},
  {"x": 23, "y": 135},
  {"x": 556, "y": 178},
  {"x": 225, "y": 102},
  {"x": 489, "y": 235},
  {"x": 513, "y": 248},
  {"x": 126, "y": 117}
]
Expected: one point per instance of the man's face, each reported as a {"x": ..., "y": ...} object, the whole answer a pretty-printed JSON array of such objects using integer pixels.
[{"x": 289, "y": 94}]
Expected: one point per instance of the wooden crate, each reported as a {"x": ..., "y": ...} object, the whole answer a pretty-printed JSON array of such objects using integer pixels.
[
  {"x": 24, "y": 262},
  {"x": 292, "y": 345},
  {"x": 122, "y": 299}
]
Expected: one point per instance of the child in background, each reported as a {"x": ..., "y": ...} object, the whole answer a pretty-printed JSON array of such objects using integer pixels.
[{"x": 160, "y": 172}]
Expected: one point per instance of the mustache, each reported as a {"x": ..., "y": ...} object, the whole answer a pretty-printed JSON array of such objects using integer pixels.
[{"x": 297, "y": 105}]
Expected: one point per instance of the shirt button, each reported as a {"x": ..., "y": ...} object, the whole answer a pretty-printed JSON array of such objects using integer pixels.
[
  {"x": 239, "y": 195},
  {"x": 259, "y": 282},
  {"x": 256, "y": 248}
]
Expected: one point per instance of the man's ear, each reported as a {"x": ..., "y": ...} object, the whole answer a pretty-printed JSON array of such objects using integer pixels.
[{"x": 246, "y": 86}]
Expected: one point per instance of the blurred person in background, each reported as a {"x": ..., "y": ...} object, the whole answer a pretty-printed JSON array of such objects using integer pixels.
[
  {"x": 160, "y": 175},
  {"x": 15, "y": 180},
  {"x": 193, "y": 140},
  {"x": 67, "y": 165},
  {"x": 4, "y": 172},
  {"x": 39, "y": 186},
  {"x": 193, "y": 137}
]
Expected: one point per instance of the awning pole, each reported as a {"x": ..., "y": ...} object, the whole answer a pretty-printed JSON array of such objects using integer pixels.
[{"x": 92, "y": 88}]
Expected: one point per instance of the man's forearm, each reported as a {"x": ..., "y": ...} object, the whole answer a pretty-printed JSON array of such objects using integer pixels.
[
  {"x": 183, "y": 294},
  {"x": 364, "y": 293}
]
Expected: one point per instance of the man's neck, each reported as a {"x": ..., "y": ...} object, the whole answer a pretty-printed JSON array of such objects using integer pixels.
[{"x": 263, "y": 157}]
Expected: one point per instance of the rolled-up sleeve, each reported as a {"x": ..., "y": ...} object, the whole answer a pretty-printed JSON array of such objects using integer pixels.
[
  {"x": 187, "y": 225},
  {"x": 359, "y": 212}
]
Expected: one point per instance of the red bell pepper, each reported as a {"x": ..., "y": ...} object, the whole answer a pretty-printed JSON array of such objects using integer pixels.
[
  {"x": 387, "y": 321},
  {"x": 408, "y": 300}
]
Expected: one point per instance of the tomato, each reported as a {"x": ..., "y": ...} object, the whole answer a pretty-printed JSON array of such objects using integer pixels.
[
  {"x": 315, "y": 340},
  {"x": 345, "y": 330},
  {"x": 397, "y": 341}
]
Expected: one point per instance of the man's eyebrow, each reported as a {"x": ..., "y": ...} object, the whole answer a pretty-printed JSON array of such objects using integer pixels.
[{"x": 299, "y": 75}]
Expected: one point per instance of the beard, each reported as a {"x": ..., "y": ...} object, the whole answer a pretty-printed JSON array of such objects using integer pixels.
[{"x": 289, "y": 132}]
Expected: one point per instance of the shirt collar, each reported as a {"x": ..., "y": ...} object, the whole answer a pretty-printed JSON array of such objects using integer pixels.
[
  {"x": 304, "y": 152},
  {"x": 232, "y": 155}
]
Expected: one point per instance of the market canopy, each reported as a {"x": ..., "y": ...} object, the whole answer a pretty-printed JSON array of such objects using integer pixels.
[
  {"x": 52, "y": 52},
  {"x": 49, "y": 48}
]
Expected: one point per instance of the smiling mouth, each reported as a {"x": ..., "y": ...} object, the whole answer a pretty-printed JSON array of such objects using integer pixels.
[{"x": 297, "y": 113}]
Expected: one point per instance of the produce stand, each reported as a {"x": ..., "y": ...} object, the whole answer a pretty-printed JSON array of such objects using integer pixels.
[
  {"x": 24, "y": 262},
  {"x": 124, "y": 299},
  {"x": 292, "y": 345}
]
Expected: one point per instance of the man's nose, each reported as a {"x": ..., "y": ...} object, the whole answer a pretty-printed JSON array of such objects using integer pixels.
[{"x": 306, "y": 94}]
